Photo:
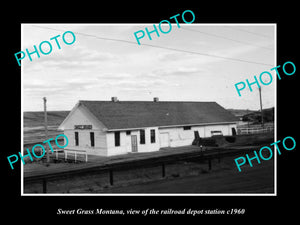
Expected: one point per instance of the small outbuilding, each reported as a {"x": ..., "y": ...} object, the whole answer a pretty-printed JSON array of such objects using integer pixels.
[{"x": 115, "y": 127}]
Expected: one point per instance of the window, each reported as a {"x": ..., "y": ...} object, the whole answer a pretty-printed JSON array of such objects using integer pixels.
[
  {"x": 152, "y": 136},
  {"x": 117, "y": 138},
  {"x": 92, "y": 137},
  {"x": 187, "y": 127},
  {"x": 76, "y": 139},
  {"x": 216, "y": 133},
  {"x": 128, "y": 132},
  {"x": 142, "y": 136}
]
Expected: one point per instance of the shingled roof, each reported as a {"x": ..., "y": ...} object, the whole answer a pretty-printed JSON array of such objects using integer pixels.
[{"x": 138, "y": 114}]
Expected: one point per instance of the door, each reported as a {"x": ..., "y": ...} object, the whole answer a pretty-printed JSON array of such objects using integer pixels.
[
  {"x": 134, "y": 147},
  {"x": 164, "y": 140},
  {"x": 233, "y": 131}
]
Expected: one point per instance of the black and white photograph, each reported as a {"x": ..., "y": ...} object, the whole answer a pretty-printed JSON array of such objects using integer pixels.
[
  {"x": 146, "y": 111},
  {"x": 132, "y": 109}
]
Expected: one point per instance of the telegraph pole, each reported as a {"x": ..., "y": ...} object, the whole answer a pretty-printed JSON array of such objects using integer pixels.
[
  {"x": 46, "y": 127},
  {"x": 261, "y": 112}
]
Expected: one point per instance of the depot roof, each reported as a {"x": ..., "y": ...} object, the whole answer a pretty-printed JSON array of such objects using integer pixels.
[{"x": 139, "y": 114}]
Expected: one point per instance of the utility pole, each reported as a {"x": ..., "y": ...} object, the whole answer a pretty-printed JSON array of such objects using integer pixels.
[
  {"x": 46, "y": 127},
  {"x": 261, "y": 112}
]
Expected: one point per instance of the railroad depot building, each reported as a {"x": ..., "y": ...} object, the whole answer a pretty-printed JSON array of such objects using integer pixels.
[{"x": 115, "y": 127}]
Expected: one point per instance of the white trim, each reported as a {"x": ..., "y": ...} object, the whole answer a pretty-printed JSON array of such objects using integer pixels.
[
  {"x": 275, "y": 111},
  {"x": 198, "y": 124},
  {"x": 181, "y": 125},
  {"x": 97, "y": 129}
]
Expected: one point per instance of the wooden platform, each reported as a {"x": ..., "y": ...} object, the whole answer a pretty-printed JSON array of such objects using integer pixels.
[
  {"x": 165, "y": 155},
  {"x": 33, "y": 169}
]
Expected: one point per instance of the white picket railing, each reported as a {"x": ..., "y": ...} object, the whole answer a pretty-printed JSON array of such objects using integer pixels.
[
  {"x": 69, "y": 152},
  {"x": 255, "y": 130},
  {"x": 76, "y": 152}
]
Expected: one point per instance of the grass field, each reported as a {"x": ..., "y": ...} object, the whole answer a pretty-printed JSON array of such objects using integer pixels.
[
  {"x": 36, "y": 119},
  {"x": 33, "y": 125}
]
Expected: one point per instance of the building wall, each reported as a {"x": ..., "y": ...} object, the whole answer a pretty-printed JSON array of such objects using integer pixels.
[
  {"x": 85, "y": 141},
  {"x": 81, "y": 117},
  {"x": 126, "y": 145},
  {"x": 177, "y": 136},
  {"x": 180, "y": 137},
  {"x": 225, "y": 128},
  {"x": 105, "y": 141}
]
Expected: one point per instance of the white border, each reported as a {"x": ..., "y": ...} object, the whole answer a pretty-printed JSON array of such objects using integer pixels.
[{"x": 161, "y": 194}]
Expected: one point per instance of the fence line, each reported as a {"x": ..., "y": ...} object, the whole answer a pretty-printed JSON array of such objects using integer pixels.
[
  {"x": 75, "y": 152},
  {"x": 255, "y": 130},
  {"x": 66, "y": 151}
]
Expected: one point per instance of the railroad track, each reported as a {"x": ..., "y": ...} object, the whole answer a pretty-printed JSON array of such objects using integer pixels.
[{"x": 213, "y": 153}]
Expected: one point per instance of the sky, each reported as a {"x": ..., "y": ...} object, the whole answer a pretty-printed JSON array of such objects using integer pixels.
[{"x": 196, "y": 62}]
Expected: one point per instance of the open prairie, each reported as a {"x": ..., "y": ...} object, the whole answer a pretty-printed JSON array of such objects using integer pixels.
[{"x": 33, "y": 126}]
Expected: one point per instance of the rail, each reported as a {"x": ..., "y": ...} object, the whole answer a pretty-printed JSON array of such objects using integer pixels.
[
  {"x": 75, "y": 152},
  {"x": 255, "y": 130},
  {"x": 162, "y": 161}
]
